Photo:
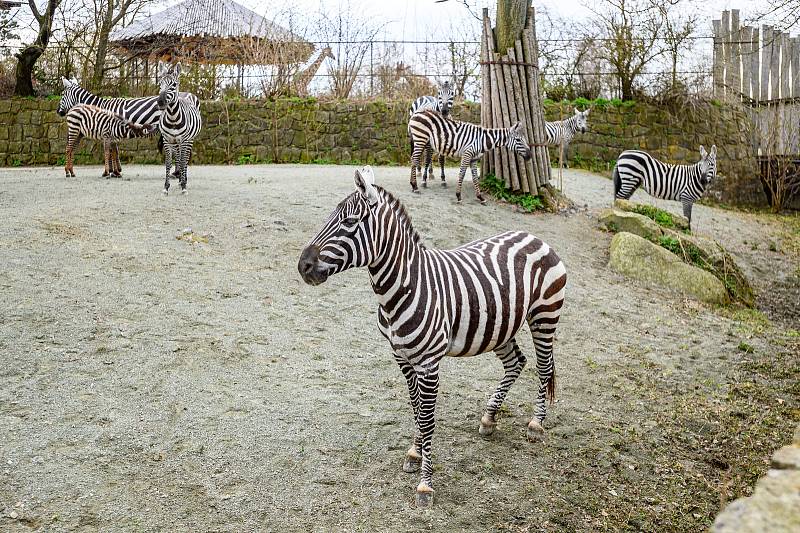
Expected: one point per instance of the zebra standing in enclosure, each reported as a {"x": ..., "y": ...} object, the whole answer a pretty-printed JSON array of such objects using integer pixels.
[
  {"x": 443, "y": 103},
  {"x": 468, "y": 141},
  {"x": 93, "y": 122},
  {"x": 142, "y": 111},
  {"x": 686, "y": 183},
  {"x": 438, "y": 303},
  {"x": 563, "y": 131},
  {"x": 179, "y": 125}
]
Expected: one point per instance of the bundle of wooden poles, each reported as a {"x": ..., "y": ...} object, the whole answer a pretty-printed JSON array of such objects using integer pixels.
[{"x": 510, "y": 93}]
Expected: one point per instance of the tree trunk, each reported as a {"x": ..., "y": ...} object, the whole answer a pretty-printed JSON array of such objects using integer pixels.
[
  {"x": 102, "y": 50},
  {"x": 26, "y": 59},
  {"x": 510, "y": 21}
]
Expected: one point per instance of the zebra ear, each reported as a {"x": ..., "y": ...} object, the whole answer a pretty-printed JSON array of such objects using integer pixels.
[
  {"x": 714, "y": 150},
  {"x": 365, "y": 184},
  {"x": 703, "y": 152},
  {"x": 586, "y": 113},
  {"x": 177, "y": 69},
  {"x": 576, "y": 111},
  {"x": 67, "y": 83}
]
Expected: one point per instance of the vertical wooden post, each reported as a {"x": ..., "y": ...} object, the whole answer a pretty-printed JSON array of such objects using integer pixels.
[
  {"x": 726, "y": 50},
  {"x": 718, "y": 69},
  {"x": 775, "y": 66},
  {"x": 786, "y": 62},
  {"x": 486, "y": 88},
  {"x": 746, "y": 35},
  {"x": 795, "y": 60},
  {"x": 734, "y": 63},
  {"x": 755, "y": 65},
  {"x": 766, "y": 60}
]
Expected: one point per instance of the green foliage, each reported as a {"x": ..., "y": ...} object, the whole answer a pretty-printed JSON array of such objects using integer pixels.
[
  {"x": 586, "y": 103},
  {"x": 592, "y": 164},
  {"x": 61, "y": 161},
  {"x": 497, "y": 188},
  {"x": 247, "y": 159},
  {"x": 321, "y": 161},
  {"x": 16, "y": 162},
  {"x": 661, "y": 217},
  {"x": 746, "y": 348}
]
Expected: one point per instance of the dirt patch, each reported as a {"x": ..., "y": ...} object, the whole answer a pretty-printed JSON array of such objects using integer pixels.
[{"x": 153, "y": 382}]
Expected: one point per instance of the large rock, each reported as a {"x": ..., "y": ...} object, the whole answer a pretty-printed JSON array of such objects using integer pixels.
[
  {"x": 640, "y": 259},
  {"x": 616, "y": 221}
]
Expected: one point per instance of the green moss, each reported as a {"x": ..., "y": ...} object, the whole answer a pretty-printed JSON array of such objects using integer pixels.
[
  {"x": 661, "y": 217},
  {"x": 497, "y": 188}
]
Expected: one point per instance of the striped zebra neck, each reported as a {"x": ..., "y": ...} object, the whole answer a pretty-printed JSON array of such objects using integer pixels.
[
  {"x": 398, "y": 248},
  {"x": 494, "y": 138},
  {"x": 571, "y": 125},
  {"x": 85, "y": 97}
]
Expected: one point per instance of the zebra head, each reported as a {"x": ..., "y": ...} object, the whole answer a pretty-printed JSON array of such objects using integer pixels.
[
  {"x": 581, "y": 121},
  {"x": 517, "y": 142},
  {"x": 169, "y": 87},
  {"x": 69, "y": 97},
  {"x": 708, "y": 164},
  {"x": 346, "y": 239},
  {"x": 445, "y": 97}
]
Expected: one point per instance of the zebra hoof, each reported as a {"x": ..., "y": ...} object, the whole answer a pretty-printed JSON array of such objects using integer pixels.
[
  {"x": 424, "y": 496},
  {"x": 165, "y": 191},
  {"x": 482, "y": 201},
  {"x": 184, "y": 191},
  {"x": 424, "y": 184},
  {"x": 488, "y": 425},
  {"x": 535, "y": 431},
  {"x": 444, "y": 184},
  {"x": 415, "y": 191},
  {"x": 413, "y": 461}
]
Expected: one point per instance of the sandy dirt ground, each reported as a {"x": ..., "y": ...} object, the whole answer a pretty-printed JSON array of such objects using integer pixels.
[{"x": 163, "y": 367}]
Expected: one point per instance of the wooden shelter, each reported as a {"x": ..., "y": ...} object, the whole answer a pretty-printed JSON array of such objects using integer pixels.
[{"x": 219, "y": 32}]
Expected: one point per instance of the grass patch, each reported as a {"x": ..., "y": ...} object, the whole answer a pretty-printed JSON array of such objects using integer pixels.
[
  {"x": 661, "y": 217},
  {"x": 247, "y": 159},
  {"x": 497, "y": 188}
]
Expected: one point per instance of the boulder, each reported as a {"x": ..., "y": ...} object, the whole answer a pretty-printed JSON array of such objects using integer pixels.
[
  {"x": 640, "y": 259},
  {"x": 680, "y": 222},
  {"x": 616, "y": 221},
  {"x": 774, "y": 506}
]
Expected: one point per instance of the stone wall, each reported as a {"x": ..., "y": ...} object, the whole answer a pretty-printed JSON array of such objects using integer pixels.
[
  {"x": 300, "y": 130},
  {"x": 674, "y": 137}
]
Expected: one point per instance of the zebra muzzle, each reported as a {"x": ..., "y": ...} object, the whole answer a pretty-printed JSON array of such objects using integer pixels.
[{"x": 310, "y": 268}]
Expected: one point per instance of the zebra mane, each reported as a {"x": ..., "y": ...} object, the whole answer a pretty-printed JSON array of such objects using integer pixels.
[{"x": 398, "y": 208}]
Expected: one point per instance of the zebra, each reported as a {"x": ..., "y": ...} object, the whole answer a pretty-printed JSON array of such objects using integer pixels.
[
  {"x": 179, "y": 125},
  {"x": 85, "y": 120},
  {"x": 463, "y": 139},
  {"x": 563, "y": 131},
  {"x": 686, "y": 183},
  {"x": 443, "y": 103},
  {"x": 142, "y": 111},
  {"x": 437, "y": 303}
]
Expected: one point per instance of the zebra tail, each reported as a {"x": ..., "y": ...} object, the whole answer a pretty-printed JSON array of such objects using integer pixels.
[
  {"x": 550, "y": 393},
  {"x": 617, "y": 181}
]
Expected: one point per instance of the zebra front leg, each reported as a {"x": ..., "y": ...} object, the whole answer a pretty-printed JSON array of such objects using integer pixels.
[
  {"x": 72, "y": 143},
  {"x": 465, "y": 159},
  {"x": 167, "y": 164},
  {"x": 183, "y": 162},
  {"x": 428, "y": 380},
  {"x": 413, "y": 458},
  {"x": 416, "y": 155},
  {"x": 441, "y": 165},
  {"x": 513, "y": 363},
  {"x": 116, "y": 166},
  {"x": 427, "y": 165},
  {"x": 107, "y": 158},
  {"x": 476, "y": 181},
  {"x": 687, "y": 210}
]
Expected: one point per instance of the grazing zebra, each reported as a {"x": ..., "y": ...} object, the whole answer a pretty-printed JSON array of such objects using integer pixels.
[
  {"x": 180, "y": 123},
  {"x": 93, "y": 122},
  {"x": 437, "y": 303},
  {"x": 142, "y": 111},
  {"x": 468, "y": 141},
  {"x": 686, "y": 183},
  {"x": 443, "y": 103}
]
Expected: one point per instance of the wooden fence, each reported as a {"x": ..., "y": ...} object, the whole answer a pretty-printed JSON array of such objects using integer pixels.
[{"x": 761, "y": 68}]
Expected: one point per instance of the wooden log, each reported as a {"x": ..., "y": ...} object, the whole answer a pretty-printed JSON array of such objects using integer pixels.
[
  {"x": 786, "y": 65},
  {"x": 735, "y": 55},
  {"x": 746, "y": 34},
  {"x": 501, "y": 121},
  {"x": 510, "y": 161},
  {"x": 530, "y": 51},
  {"x": 795, "y": 59},
  {"x": 527, "y": 175},
  {"x": 497, "y": 155},
  {"x": 766, "y": 60},
  {"x": 755, "y": 65},
  {"x": 718, "y": 61},
  {"x": 726, "y": 50},
  {"x": 775, "y": 66},
  {"x": 522, "y": 75},
  {"x": 486, "y": 89}
]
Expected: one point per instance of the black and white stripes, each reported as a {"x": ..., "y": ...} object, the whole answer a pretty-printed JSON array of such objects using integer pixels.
[
  {"x": 443, "y": 103},
  {"x": 84, "y": 120},
  {"x": 179, "y": 125},
  {"x": 562, "y": 131},
  {"x": 685, "y": 183},
  {"x": 436, "y": 303},
  {"x": 462, "y": 139}
]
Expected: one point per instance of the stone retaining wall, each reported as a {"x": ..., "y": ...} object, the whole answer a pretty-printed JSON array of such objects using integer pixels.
[{"x": 306, "y": 130}]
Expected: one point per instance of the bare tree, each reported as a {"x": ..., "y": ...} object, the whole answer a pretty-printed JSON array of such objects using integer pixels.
[
  {"x": 630, "y": 30},
  {"x": 353, "y": 33},
  {"x": 784, "y": 14},
  {"x": 679, "y": 25},
  {"x": 27, "y": 57}
]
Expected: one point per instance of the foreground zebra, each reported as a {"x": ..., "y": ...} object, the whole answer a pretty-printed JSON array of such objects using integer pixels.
[
  {"x": 437, "y": 303},
  {"x": 142, "y": 111},
  {"x": 180, "y": 123},
  {"x": 443, "y": 103},
  {"x": 686, "y": 183},
  {"x": 93, "y": 122},
  {"x": 469, "y": 141}
]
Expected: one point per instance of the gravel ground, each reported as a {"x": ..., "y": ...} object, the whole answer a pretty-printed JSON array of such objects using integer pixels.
[{"x": 150, "y": 382}]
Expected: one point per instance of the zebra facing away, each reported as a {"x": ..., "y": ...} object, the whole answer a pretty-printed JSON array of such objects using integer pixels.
[
  {"x": 93, "y": 122},
  {"x": 468, "y": 141},
  {"x": 142, "y": 111},
  {"x": 437, "y": 303},
  {"x": 443, "y": 103},
  {"x": 179, "y": 125},
  {"x": 685, "y": 183}
]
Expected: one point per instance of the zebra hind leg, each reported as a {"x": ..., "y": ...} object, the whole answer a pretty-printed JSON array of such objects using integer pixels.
[
  {"x": 542, "y": 322},
  {"x": 416, "y": 155},
  {"x": 413, "y": 458},
  {"x": 476, "y": 181},
  {"x": 513, "y": 363},
  {"x": 441, "y": 165},
  {"x": 167, "y": 164},
  {"x": 183, "y": 165},
  {"x": 687, "y": 210},
  {"x": 465, "y": 159},
  {"x": 427, "y": 170}
]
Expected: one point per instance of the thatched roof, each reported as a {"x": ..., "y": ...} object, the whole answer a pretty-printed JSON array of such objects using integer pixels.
[{"x": 211, "y": 31}]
